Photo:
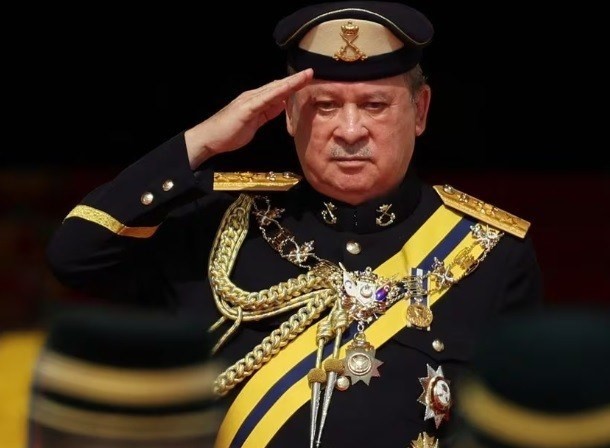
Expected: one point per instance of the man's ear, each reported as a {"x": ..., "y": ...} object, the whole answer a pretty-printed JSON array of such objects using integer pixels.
[{"x": 422, "y": 105}]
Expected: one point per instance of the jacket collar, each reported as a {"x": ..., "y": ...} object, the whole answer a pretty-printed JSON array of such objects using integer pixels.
[{"x": 374, "y": 215}]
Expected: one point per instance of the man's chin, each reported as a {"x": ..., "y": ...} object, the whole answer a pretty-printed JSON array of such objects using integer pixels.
[{"x": 350, "y": 191}]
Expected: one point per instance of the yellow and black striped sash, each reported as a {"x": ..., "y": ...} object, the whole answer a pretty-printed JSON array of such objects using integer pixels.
[{"x": 280, "y": 387}]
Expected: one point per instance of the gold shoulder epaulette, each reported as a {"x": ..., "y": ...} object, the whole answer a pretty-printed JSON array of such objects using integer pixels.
[
  {"x": 482, "y": 211},
  {"x": 250, "y": 181}
]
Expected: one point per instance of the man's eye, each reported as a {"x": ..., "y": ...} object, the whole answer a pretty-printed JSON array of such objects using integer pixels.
[
  {"x": 375, "y": 106},
  {"x": 326, "y": 106}
]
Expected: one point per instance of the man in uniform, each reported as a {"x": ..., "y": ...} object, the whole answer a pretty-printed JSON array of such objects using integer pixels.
[
  {"x": 346, "y": 297},
  {"x": 539, "y": 381},
  {"x": 124, "y": 378}
]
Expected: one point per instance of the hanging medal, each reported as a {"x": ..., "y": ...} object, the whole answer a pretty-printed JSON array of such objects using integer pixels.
[
  {"x": 364, "y": 296},
  {"x": 419, "y": 314},
  {"x": 360, "y": 362}
]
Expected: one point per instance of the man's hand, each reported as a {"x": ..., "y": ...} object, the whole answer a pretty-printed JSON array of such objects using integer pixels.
[{"x": 236, "y": 124}]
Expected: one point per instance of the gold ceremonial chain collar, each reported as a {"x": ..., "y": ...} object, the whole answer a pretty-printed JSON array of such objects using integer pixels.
[
  {"x": 360, "y": 296},
  {"x": 303, "y": 255}
]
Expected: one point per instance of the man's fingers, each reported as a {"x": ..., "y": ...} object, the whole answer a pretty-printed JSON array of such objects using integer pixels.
[
  {"x": 279, "y": 90},
  {"x": 290, "y": 83},
  {"x": 300, "y": 79}
]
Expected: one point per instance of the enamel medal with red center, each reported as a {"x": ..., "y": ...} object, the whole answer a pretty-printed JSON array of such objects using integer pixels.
[{"x": 436, "y": 396}]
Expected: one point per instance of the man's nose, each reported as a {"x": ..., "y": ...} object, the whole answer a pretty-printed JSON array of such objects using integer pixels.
[{"x": 350, "y": 125}]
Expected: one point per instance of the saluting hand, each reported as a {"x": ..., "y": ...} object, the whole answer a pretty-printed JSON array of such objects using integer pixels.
[{"x": 235, "y": 125}]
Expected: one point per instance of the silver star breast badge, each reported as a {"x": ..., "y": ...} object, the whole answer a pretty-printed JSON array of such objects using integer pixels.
[
  {"x": 360, "y": 363},
  {"x": 436, "y": 396}
]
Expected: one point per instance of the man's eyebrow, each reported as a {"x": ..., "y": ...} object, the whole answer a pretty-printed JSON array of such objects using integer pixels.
[
  {"x": 377, "y": 93},
  {"x": 316, "y": 91}
]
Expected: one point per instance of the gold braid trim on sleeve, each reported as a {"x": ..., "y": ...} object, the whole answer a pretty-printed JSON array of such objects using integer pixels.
[
  {"x": 308, "y": 292},
  {"x": 105, "y": 220}
]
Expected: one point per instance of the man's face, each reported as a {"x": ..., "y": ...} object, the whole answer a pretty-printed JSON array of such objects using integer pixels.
[{"x": 355, "y": 140}]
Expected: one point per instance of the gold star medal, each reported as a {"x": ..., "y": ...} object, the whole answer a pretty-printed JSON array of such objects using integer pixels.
[
  {"x": 360, "y": 363},
  {"x": 424, "y": 441},
  {"x": 436, "y": 396}
]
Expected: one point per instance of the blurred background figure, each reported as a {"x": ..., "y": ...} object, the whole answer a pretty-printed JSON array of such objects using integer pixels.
[
  {"x": 116, "y": 378},
  {"x": 540, "y": 382},
  {"x": 18, "y": 352}
]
